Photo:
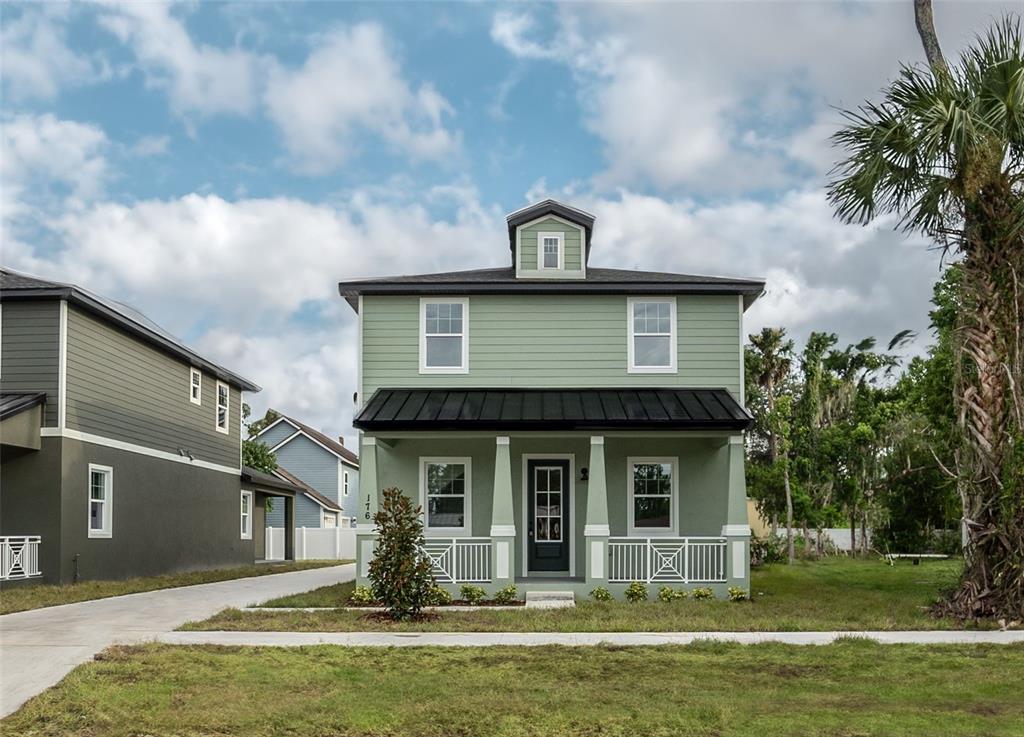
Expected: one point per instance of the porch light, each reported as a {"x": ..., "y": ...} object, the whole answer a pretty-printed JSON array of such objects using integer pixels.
[{"x": 584, "y": 474}]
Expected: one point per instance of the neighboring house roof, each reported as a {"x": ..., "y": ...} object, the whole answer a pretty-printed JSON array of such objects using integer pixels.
[
  {"x": 268, "y": 482},
  {"x": 553, "y": 409},
  {"x": 599, "y": 281},
  {"x": 13, "y": 403},
  {"x": 549, "y": 207},
  {"x": 15, "y": 286},
  {"x": 308, "y": 490},
  {"x": 326, "y": 442}
]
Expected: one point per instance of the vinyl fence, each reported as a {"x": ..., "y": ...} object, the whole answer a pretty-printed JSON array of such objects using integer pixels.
[
  {"x": 840, "y": 536},
  {"x": 314, "y": 543}
]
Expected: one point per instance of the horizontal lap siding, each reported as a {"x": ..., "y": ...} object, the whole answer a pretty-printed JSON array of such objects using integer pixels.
[
  {"x": 30, "y": 352},
  {"x": 552, "y": 341},
  {"x": 571, "y": 241},
  {"x": 121, "y": 388},
  {"x": 311, "y": 463},
  {"x": 278, "y": 433}
]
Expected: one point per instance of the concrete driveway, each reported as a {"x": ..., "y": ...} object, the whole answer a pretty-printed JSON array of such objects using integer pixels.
[{"x": 40, "y": 647}]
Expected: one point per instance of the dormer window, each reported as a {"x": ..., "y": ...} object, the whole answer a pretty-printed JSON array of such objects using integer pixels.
[{"x": 550, "y": 250}]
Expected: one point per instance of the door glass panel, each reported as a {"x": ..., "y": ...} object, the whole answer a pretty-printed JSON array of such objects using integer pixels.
[{"x": 548, "y": 504}]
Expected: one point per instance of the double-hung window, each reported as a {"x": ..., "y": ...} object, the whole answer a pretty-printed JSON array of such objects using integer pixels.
[
  {"x": 444, "y": 336},
  {"x": 101, "y": 501},
  {"x": 652, "y": 496},
  {"x": 195, "y": 386},
  {"x": 445, "y": 485},
  {"x": 550, "y": 250},
  {"x": 223, "y": 404},
  {"x": 345, "y": 482},
  {"x": 652, "y": 335},
  {"x": 246, "y": 515}
]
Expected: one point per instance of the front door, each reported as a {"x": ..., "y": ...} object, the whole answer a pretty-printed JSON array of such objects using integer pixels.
[{"x": 547, "y": 492}]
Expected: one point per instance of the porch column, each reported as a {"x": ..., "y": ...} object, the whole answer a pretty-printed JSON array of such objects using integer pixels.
[
  {"x": 503, "y": 524},
  {"x": 289, "y": 527},
  {"x": 736, "y": 531},
  {"x": 369, "y": 491},
  {"x": 596, "y": 531}
]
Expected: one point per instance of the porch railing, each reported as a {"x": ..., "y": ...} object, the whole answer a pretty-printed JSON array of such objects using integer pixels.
[
  {"x": 19, "y": 557},
  {"x": 667, "y": 559},
  {"x": 460, "y": 559}
]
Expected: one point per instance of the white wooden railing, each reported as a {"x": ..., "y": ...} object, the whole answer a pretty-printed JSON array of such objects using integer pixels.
[
  {"x": 460, "y": 559},
  {"x": 666, "y": 559},
  {"x": 19, "y": 557}
]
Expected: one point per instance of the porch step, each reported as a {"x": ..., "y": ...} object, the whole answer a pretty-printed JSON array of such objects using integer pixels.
[{"x": 550, "y": 599}]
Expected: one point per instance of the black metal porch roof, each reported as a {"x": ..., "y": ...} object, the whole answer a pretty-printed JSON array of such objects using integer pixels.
[{"x": 552, "y": 409}]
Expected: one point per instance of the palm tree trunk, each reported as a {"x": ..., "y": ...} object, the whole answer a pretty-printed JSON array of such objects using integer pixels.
[
  {"x": 925, "y": 22},
  {"x": 789, "y": 515}
]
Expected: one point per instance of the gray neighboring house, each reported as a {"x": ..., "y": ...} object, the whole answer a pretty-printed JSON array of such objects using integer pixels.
[
  {"x": 319, "y": 462},
  {"x": 120, "y": 447}
]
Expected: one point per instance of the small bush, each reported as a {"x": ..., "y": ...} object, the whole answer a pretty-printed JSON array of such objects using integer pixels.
[
  {"x": 737, "y": 594},
  {"x": 439, "y": 596},
  {"x": 601, "y": 594},
  {"x": 669, "y": 594},
  {"x": 703, "y": 593},
  {"x": 636, "y": 592},
  {"x": 362, "y": 596},
  {"x": 506, "y": 595},
  {"x": 472, "y": 594},
  {"x": 400, "y": 571},
  {"x": 767, "y": 550}
]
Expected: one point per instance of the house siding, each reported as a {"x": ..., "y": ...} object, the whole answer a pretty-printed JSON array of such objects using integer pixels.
[
  {"x": 552, "y": 341},
  {"x": 121, "y": 388},
  {"x": 279, "y": 432},
  {"x": 307, "y": 512},
  {"x": 572, "y": 242},
  {"x": 30, "y": 351}
]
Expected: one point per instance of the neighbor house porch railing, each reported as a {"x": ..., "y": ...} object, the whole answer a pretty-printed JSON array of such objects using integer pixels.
[
  {"x": 19, "y": 557},
  {"x": 666, "y": 559},
  {"x": 460, "y": 559}
]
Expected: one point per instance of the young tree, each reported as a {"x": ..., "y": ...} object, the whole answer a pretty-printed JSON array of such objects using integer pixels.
[
  {"x": 945, "y": 151},
  {"x": 400, "y": 572}
]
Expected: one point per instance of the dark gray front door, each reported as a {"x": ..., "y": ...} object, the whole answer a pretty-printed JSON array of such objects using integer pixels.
[{"x": 547, "y": 490}]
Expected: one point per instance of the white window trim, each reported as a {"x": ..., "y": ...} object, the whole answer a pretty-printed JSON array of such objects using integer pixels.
[
  {"x": 462, "y": 369},
  {"x": 344, "y": 482},
  {"x": 673, "y": 341},
  {"x": 227, "y": 410},
  {"x": 108, "y": 502},
  {"x": 672, "y": 530},
  {"x": 324, "y": 515},
  {"x": 561, "y": 251},
  {"x": 193, "y": 372},
  {"x": 246, "y": 534},
  {"x": 443, "y": 531}
]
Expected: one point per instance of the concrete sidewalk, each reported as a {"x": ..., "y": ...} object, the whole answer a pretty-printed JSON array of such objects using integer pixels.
[
  {"x": 487, "y": 639},
  {"x": 39, "y": 647}
]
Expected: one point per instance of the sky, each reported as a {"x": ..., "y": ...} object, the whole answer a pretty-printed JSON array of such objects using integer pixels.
[{"x": 221, "y": 166}]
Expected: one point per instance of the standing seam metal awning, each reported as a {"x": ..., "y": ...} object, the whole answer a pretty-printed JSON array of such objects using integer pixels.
[{"x": 553, "y": 409}]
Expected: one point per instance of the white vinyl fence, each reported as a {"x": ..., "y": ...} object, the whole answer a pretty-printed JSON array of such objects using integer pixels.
[
  {"x": 839, "y": 536},
  {"x": 314, "y": 543}
]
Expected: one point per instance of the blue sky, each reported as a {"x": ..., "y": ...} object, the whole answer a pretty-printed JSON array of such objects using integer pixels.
[{"x": 221, "y": 166}]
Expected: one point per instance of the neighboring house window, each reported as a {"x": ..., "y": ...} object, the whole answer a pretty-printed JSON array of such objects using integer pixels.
[
  {"x": 223, "y": 402},
  {"x": 246, "y": 515},
  {"x": 195, "y": 386},
  {"x": 345, "y": 483},
  {"x": 652, "y": 496},
  {"x": 444, "y": 336},
  {"x": 445, "y": 487},
  {"x": 652, "y": 335},
  {"x": 550, "y": 250},
  {"x": 330, "y": 519},
  {"x": 101, "y": 500}
]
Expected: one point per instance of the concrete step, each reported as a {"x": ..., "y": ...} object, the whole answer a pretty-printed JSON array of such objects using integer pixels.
[{"x": 550, "y": 599}]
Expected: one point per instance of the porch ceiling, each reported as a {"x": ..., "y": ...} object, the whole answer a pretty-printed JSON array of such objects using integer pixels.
[{"x": 552, "y": 409}]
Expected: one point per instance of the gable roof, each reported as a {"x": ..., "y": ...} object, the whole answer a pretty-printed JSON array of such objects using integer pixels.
[
  {"x": 549, "y": 207},
  {"x": 324, "y": 501},
  {"x": 18, "y": 286},
  {"x": 325, "y": 441}
]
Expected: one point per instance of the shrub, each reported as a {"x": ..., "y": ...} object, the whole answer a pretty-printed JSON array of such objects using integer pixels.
[
  {"x": 472, "y": 594},
  {"x": 506, "y": 595},
  {"x": 362, "y": 596},
  {"x": 635, "y": 592},
  {"x": 601, "y": 594},
  {"x": 667, "y": 594},
  {"x": 737, "y": 594},
  {"x": 400, "y": 570},
  {"x": 703, "y": 593},
  {"x": 769, "y": 549},
  {"x": 439, "y": 596}
]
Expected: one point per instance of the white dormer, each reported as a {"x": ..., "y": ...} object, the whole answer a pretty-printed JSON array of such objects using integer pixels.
[{"x": 550, "y": 240}]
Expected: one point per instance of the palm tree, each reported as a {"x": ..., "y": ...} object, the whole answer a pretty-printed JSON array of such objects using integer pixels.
[{"x": 944, "y": 150}]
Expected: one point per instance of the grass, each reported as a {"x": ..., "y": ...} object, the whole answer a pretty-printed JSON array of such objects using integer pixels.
[
  {"x": 36, "y": 596},
  {"x": 848, "y": 688},
  {"x": 833, "y": 594}
]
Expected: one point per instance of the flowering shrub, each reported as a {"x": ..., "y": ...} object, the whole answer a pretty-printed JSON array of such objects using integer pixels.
[
  {"x": 601, "y": 594},
  {"x": 703, "y": 593},
  {"x": 472, "y": 594},
  {"x": 439, "y": 596},
  {"x": 362, "y": 596},
  {"x": 635, "y": 592},
  {"x": 506, "y": 595},
  {"x": 737, "y": 594},
  {"x": 667, "y": 594}
]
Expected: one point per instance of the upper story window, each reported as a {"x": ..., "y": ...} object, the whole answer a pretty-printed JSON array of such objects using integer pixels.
[
  {"x": 223, "y": 404},
  {"x": 550, "y": 250},
  {"x": 445, "y": 488},
  {"x": 195, "y": 386},
  {"x": 101, "y": 501},
  {"x": 652, "y": 335},
  {"x": 444, "y": 336},
  {"x": 345, "y": 483}
]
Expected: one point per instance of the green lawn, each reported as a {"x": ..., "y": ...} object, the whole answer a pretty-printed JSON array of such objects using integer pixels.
[
  {"x": 21, "y": 597},
  {"x": 835, "y": 593},
  {"x": 851, "y": 688}
]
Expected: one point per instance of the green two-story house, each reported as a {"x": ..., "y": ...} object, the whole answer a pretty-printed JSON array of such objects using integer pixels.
[{"x": 562, "y": 426}]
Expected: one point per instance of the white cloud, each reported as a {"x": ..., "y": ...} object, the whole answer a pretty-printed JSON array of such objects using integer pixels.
[
  {"x": 351, "y": 84},
  {"x": 150, "y": 146}
]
